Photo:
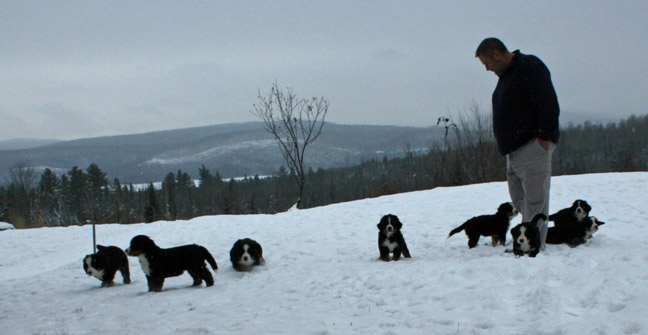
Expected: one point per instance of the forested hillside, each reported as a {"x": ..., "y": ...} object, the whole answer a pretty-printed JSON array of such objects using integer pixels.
[{"x": 468, "y": 156}]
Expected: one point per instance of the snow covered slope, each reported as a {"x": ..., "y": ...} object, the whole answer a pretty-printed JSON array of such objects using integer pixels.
[{"x": 323, "y": 275}]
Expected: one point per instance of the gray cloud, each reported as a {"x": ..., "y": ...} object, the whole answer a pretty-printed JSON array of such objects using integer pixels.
[{"x": 83, "y": 69}]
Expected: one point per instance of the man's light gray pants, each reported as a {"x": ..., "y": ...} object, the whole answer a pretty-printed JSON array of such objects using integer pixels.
[{"x": 528, "y": 171}]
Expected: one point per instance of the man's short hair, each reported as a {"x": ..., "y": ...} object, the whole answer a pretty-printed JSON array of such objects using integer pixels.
[{"x": 487, "y": 46}]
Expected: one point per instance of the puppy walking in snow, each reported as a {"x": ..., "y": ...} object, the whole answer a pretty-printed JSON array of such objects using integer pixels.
[
  {"x": 158, "y": 263},
  {"x": 105, "y": 263},
  {"x": 495, "y": 226}
]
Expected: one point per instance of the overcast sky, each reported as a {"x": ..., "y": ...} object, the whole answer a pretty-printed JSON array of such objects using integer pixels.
[{"x": 76, "y": 69}]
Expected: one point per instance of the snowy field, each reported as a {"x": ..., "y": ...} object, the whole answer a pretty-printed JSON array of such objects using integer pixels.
[{"x": 323, "y": 275}]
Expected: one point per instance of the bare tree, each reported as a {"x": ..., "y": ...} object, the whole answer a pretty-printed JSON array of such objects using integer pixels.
[
  {"x": 476, "y": 150},
  {"x": 295, "y": 124},
  {"x": 21, "y": 194},
  {"x": 22, "y": 176}
]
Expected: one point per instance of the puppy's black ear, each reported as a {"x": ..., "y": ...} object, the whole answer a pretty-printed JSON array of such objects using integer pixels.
[
  {"x": 397, "y": 224},
  {"x": 100, "y": 247},
  {"x": 382, "y": 223}
]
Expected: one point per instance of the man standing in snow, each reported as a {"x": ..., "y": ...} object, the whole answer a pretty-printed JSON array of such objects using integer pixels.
[{"x": 525, "y": 124}]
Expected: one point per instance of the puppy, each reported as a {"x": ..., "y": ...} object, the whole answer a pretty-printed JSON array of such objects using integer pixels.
[
  {"x": 495, "y": 225},
  {"x": 105, "y": 263},
  {"x": 574, "y": 234},
  {"x": 390, "y": 238},
  {"x": 526, "y": 237},
  {"x": 245, "y": 254},
  {"x": 158, "y": 263},
  {"x": 596, "y": 223},
  {"x": 579, "y": 210}
]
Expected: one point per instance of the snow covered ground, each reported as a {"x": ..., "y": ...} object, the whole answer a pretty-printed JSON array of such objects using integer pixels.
[
  {"x": 6, "y": 225},
  {"x": 323, "y": 275}
]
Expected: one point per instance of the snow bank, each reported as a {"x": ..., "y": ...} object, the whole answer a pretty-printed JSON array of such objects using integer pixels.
[{"x": 323, "y": 275}]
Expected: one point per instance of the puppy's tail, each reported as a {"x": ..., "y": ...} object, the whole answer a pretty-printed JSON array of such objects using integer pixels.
[
  {"x": 540, "y": 216},
  {"x": 553, "y": 217},
  {"x": 208, "y": 257},
  {"x": 456, "y": 230}
]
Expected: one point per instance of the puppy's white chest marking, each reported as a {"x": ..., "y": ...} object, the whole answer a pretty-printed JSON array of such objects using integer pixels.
[
  {"x": 590, "y": 233},
  {"x": 99, "y": 274},
  {"x": 523, "y": 241},
  {"x": 93, "y": 271},
  {"x": 390, "y": 245},
  {"x": 144, "y": 263}
]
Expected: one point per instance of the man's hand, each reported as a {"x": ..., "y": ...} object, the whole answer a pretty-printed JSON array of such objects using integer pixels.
[{"x": 544, "y": 143}]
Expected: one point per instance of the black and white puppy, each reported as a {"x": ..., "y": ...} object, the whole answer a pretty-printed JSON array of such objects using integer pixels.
[
  {"x": 578, "y": 211},
  {"x": 526, "y": 237},
  {"x": 245, "y": 254},
  {"x": 158, "y": 263},
  {"x": 390, "y": 239},
  {"x": 574, "y": 234},
  {"x": 105, "y": 263},
  {"x": 495, "y": 225}
]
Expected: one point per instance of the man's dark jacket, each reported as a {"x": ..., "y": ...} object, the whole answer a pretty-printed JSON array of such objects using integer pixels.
[{"x": 525, "y": 105}]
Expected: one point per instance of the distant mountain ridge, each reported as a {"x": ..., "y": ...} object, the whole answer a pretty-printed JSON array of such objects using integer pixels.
[
  {"x": 25, "y": 143},
  {"x": 233, "y": 150}
]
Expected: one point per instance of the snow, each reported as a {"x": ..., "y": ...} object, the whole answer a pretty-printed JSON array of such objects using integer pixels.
[
  {"x": 214, "y": 152},
  {"x": 158, "y": 184},
  {"x": 6, "y": 225},
  {"x": 323, "y": 275}
]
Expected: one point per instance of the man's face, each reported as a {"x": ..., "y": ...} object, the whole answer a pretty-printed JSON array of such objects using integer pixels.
[{"x": 495, "y": 63}]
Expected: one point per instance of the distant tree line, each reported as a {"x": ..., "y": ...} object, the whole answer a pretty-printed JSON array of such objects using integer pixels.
[{"x": 467, "y": 156}]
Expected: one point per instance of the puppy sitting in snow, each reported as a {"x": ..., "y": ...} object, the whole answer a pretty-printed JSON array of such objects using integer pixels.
[
  {"x": 574, "y": 234},
  {"x": 158, "y": 263},
  {"x": 390, "y": 239},
  {"x": 526, "y": 237},
  {"x": 245, "y": 254},
  {"x": 578, "y": 211},
  {"x": 495, "y": 225},
  {"x": 105, "y": 263}
]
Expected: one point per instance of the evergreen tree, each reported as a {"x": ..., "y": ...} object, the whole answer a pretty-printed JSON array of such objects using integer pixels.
[
  {"x": 169, "y": 191},
  {"x": 229, "y": 196},
  {"x": 206, "y": 179},
  {"x": 97, "y": 184},
  {"x": 48, "y": 198},
  {"x": 117, "y": 202},
  {"x": 208, "y": 190},
  {"x": 185, "y": 202},
  {"x": 152, "y": 208},
  {"x": 77, "y": 192}
]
